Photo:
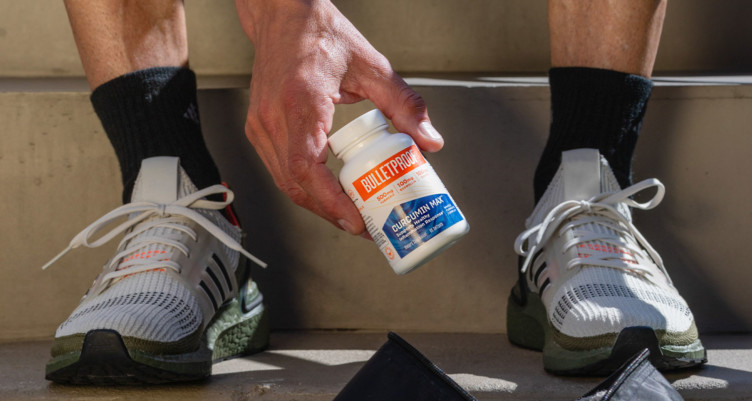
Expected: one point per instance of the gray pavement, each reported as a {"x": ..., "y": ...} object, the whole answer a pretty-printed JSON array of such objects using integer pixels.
[{"x": 316, "y": 365}]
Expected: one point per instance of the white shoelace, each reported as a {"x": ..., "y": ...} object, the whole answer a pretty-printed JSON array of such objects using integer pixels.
[
  {"x": 141, "y": 211},
  {"x": 600, "y": 210}
]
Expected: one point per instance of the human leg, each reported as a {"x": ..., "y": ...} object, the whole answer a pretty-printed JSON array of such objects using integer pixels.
[
  {"x": 135, "y": 55},
  {"x": 602, "y": 54},
  {"x": 592, "y": 291},
  {"x": 177, "y": 294},
  {"x": 614, "y": 35}
]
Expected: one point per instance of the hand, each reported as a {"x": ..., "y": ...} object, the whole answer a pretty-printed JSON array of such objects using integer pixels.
[{"x": 308, "y": 58}]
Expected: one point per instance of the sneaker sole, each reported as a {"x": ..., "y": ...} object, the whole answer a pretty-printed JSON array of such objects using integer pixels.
[
  {"x": 528, "y": 327},
  {"x": 105, "y": 360}
]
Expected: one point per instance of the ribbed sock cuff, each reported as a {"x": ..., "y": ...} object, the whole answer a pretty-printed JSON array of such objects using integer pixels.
[
  {"x": 593, "y": 108},
  {"x": 154, "y": 112}
]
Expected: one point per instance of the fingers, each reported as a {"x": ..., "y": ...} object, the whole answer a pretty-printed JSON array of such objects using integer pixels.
[
  {"x": 293, "y": 147},
  {"x": 320, "y": 192},
  {"x": 405, "y": 107}
]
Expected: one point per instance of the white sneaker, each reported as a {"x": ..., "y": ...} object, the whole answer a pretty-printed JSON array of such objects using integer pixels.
[
  {"x": 592, "y": 292},
  {"x": 176, "y": 296}
]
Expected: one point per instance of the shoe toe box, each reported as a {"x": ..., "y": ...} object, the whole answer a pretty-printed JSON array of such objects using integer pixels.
[
  {"x": 588, "y": 306},
  {"x": 151, "y": 306}
]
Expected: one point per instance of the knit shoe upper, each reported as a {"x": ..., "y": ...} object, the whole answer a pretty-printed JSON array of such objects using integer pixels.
[
  {"x": 175, "y": 267},
  {"x": 591, "y": 268}
]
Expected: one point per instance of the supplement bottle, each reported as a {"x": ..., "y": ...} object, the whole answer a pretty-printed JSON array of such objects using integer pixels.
[{"x": 406, "y": 208}]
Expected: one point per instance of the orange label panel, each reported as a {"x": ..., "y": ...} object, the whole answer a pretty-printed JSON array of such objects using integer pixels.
[{"x": 387, "y": 172}]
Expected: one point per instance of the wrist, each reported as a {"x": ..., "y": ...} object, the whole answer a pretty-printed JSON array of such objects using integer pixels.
[{"x": 255, "y": 15}]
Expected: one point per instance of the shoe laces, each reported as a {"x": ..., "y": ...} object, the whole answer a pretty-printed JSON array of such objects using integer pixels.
[
  {"x": 615, "y": 246},
  {"x": 154, "y": 215}
]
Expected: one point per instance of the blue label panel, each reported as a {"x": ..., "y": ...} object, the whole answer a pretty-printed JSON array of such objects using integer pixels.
[{"x": 412, "y": 223}]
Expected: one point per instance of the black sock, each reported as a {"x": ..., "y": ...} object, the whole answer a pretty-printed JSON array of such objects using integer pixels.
[
  {"x": 154, "y": 112},
  {"x": 593, "y": 108}
]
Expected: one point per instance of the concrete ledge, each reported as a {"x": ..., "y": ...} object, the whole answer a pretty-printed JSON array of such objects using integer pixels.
[
  {"x": 316, "y": 365},
  {"x": 242, "y": 81}
]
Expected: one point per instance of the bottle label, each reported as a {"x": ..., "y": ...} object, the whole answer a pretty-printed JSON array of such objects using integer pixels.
[
  {"x": 413, "y": 223},
  {"x": 403, "y": 203},
  {"x": 388, "y": 171}
]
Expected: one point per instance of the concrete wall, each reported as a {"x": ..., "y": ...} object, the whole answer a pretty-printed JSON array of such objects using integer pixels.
[
  {"x": 697, "y": 140},
  {"x": 58, "y": 174},
  {"x": 416, "y": 36}
]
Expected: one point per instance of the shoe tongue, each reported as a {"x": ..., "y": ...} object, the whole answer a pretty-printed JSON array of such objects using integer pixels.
[
  {"x": 584, "y": 176},
  {"x": 158, "y": 181},
  {"x": 581, "y": 174}
]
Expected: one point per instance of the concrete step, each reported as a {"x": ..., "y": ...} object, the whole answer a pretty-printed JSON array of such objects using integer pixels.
[
  {"x": 416, "y": 36},
  {"x": 58, "y": 174},
  {"x": 307, "y": 366}
]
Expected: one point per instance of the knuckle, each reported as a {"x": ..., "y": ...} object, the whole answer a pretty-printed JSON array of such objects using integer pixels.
[
  {"x": 380, "y": 66},
  {"x": 252, "y": 128},
  {"x": 295, "y": 193},
  {"x": 268, "y": 120},
  {"x": 299, "y": 167},
  {"x": 262, "y": 118}
]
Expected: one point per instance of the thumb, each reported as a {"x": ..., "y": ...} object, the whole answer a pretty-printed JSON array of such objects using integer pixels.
[{"x": 407, "y": 110}]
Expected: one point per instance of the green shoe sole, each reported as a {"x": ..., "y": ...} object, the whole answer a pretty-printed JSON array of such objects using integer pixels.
[
  {"x": 528, "y": 327},
  {"x": 103, "y": 357}
]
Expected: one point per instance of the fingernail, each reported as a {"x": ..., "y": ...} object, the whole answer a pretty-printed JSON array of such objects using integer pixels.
[
  {"x": 428, "y": 130},
  {"x": 346, "y": 226}
]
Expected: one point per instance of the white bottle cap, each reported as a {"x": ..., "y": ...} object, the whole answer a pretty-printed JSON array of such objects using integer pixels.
[{"x": 361, "y": 126}]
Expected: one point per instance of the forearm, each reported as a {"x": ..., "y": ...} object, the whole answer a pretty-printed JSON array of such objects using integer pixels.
[
  {"x": 117, "y": 37},
  {"x": 620, "y": 35}
]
